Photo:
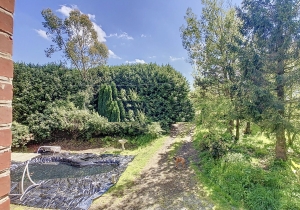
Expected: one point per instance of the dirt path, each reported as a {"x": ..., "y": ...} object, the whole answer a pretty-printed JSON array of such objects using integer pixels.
[{"x": 161, "y": 185}]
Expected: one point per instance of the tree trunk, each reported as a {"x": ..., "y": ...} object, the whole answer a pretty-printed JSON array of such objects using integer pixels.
[
  {"x": 248, "y": 128},
  {"x": 280, "y": 149},
  {"x": 230, "y": 126},
  {"x": 288, "y": 133},
  {"x": 237, "y": 129}
]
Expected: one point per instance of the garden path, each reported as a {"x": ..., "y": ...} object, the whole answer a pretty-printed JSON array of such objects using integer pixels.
[{"x": 160, "y": 185}]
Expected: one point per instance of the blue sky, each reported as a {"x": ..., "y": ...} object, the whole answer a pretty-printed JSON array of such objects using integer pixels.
[{"x": 135, "y": 31}]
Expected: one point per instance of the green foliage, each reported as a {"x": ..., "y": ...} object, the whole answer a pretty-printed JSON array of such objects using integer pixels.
[
  {"x": 77, "y": 38},
  {"x": 122, "y": 129},
  {"x": 20, "y": 135},
  {"x": 236, "y": 180},
  {"x": 271, "y": 29},
  {"x": 63, "y": 116},
  {"x": 154, "y": 129},
  {"x": 215, "y": 145},
  {"x": 114, "y": 112},
  {"x": 146, "y": 93},
  {"x": 37, "y": 86},
  {"x": 122, "y": 110},
  {"x": 142, "y": 140},
  {"x": 114, "y": 91},
  {"x": 160, "y": 92},
  {"x": 104, "y": 100},
  {"x": 212, "y": 43},
  {"x": 108, "y": 105}
]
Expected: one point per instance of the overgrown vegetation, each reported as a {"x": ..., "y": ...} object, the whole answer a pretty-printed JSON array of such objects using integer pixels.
[
  {"x": 246, "y": 98},
  {"x": 248, "y": 58},
  {"x": 245, "y": 174},
  {"x": 55, "y": 103}
]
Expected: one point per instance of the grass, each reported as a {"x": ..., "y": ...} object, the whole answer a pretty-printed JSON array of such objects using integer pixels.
[
  {"x": 142, "y": 156},
  {"x": 248, "y": 177}
]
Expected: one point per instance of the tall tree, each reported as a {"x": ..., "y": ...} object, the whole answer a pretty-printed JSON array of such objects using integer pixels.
[
  {"x": 76, "y": 38},
  {"x": 104, "y": 100},
  {"x": 273, "y": 25},
  {"x": 212, "y": 43}
]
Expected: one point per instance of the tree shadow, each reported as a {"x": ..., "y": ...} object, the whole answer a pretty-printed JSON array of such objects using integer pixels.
[{"x": 164, "y": 186}]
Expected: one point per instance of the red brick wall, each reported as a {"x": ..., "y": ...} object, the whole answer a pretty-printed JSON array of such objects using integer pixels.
[{"x": 6, "y": 94}]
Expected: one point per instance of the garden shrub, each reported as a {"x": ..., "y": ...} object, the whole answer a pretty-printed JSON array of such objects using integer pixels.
[
  {"x": 154, "y": 129},
  {"x": 217, "y": 145},
  {"x": 20, "y": 135},
  {"x": 122, "y": 129},
  {"x": 64, "y": 116}
]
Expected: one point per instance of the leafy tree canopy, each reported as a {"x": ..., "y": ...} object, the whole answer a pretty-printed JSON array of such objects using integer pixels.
[{"x": 76, "y": 37}]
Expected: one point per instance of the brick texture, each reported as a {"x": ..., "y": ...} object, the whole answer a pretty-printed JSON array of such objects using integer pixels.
[
  {"x": 6, "y": 44},
  {"x": 5, "y": 161},
  {"x": 8, "y": 5},
  {"x": 5, "y": 205},
  {"x": 6, "y": 115},
  {"x": 6, "y": 67},
  {"x": 6, "y": 22},
  {"x": 5, "y": 137},
  {"x": 6, "y": 94},
  {"x": 5, "y": 185},
  {"x": 6, "y": 91}
]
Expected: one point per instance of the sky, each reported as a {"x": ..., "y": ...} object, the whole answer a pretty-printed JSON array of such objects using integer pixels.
[{"x": 135, "y": 31}]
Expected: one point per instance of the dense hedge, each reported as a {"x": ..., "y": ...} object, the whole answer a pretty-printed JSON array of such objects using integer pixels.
[
  {"x": 44, "y": 95},
  {"x": 35, "y": 86},
  {"x": 162, "y": 91}
]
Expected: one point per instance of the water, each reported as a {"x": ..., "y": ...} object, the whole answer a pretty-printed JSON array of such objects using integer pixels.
[{"x": 56, "y": 170}]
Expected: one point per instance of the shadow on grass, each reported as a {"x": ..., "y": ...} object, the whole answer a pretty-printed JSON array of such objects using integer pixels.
[{"x": 162, "y": 185}]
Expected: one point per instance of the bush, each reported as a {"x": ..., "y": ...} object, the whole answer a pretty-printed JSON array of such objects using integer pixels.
[
  {"x": 122, "y": 129},
  {"x": 64, "y": 116},
  {"x": 216, "y": 145},
  {"x": 154, "y": 129},
  {"x": 20, "y": 135}
]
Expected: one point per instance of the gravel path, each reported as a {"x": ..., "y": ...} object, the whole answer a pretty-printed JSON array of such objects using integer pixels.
[{"x": 161, "y": 186}]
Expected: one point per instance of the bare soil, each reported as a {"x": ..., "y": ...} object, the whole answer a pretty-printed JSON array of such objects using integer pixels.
[{"x": 161, "y": 185}]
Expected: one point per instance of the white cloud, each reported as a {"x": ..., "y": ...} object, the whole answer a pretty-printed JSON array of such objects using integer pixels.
[
  {"x": 139, "y": 61},
  {"x": 42, "y": 33},
  {"x": 136, "y": 61},
  {"x": 92, "y": 17},
  {"x": 176, "y": 59},
  {"x": 123, "y": 35},
  {"x": 143, "y": 36},
  {"x": 65, "y": 10},
  {"x": 152, "y": 56},
  {"x": 100, "y": 32},
  {"x": 113, "y": 55}
]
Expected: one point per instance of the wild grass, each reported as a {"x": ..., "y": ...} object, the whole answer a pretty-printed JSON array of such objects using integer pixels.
[{"x": 248, "y": 177}]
